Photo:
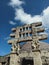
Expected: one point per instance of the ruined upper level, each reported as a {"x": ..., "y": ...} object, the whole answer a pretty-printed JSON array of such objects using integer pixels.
[{"x": 27, "y": 33}]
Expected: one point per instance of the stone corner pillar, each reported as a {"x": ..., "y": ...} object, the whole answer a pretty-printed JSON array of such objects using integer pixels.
[
  {"x": 14, "y": 58},
  {"x": 0, "y": 63},
  {"x": 37, "y": 58}
]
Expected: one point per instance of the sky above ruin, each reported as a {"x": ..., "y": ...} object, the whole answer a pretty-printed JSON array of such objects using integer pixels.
[{"x": 15, "y": 13}]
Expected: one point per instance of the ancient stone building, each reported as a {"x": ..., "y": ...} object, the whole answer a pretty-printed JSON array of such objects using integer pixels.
[{"x": 27, "y": 49}]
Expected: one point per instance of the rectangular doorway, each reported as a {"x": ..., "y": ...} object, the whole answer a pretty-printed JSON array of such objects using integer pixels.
[{"x": 27, "y": 62}]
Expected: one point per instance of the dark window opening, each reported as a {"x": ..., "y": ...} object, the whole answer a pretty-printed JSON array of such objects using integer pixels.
[
  {"x": 20, "y": 30},
  {"x": 27, "y": 34},
  {"x": 23, "y": 29},
  {"x": 30, "y": 28},
  {"x": 23, "y": 34},
  {"x": 26, "y": 28},
  {"x": 20, "y": 35},
  {"x": 27, "y": 62}
]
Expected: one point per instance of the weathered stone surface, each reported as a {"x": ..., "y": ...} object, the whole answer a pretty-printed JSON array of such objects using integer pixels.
[
  {"x": 32, "y": 50},
  {"x": 0, "y": 63}
]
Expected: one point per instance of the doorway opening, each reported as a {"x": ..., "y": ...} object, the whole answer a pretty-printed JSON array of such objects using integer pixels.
[{"x": 27, "y": 62}]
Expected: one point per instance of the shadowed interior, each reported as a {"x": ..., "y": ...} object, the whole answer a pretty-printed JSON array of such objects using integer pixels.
[{"x": 27, "y": 62}]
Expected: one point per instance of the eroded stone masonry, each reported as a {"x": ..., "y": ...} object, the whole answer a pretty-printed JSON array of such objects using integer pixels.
[{"x": 27, "y": 49}]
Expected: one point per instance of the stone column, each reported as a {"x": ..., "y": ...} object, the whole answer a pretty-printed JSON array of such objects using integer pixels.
[
  {"x": 14, "y": 56},
  {"x": 22, "y": 29},
  {"x": 28, "y": 34},
  {"x": 37, "y": 58},
  {"x": 18, "y": 48},
  {"x": 14, "y": 59},
  {"x": 25, "y": 35},
  {"x": 21, "y": 35},
  {"x": 0, "y": 63},
  {"x": 25, "y": 28}
]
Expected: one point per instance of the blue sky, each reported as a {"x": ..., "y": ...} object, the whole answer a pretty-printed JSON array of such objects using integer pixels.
[{"x": 15, "y": 13}]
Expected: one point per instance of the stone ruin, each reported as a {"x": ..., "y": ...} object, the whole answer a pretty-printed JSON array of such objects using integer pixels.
[{"x": 29, "y": 53}]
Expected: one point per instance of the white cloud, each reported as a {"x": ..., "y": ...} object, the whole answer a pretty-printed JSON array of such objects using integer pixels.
[
  {"x": 12, "y": 23},
  {"x": 21, "y": 15},
  {"x": 15, "y": 3},
  {"x": 26, "y": 18},
  {"x": 45, "y": 17},
  {"x": 46, "y": 11}
]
